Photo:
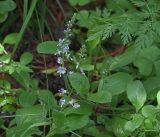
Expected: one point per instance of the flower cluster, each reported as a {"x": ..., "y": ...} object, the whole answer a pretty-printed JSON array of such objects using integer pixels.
[
  {"x": 63, "y": 47},
  {"x": 72, "y": 102}
]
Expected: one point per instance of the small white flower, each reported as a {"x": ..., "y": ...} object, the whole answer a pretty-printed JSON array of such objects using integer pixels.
[
  {"x": 76, "y": 105},
  {"x": 1, "y": 64},
  {"x": 59, "y": 60},
  {"x": 71, "y": 72},
  {"x": 58, "y": 52},
  {"x": 82, "y": 71},
  {"x": 61, "y": 70},
  {"x": 72, "y": 101},
  {"x": 62, "y": 102},
  {"x": 66, "y": 49},
  {"x": 62, "y": 91},
  {"x": 61, "y": 42}
]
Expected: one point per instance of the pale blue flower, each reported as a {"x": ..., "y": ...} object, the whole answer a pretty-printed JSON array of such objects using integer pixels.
[
  {"x": 62, "y": 102},
  {"x": 62, "y": 91},
  {"x": 76, "y": 105},
  {"x": 70, "y": 72},
  {"x": 61, "y": 70},
  {"x": 59, "y": 60}
]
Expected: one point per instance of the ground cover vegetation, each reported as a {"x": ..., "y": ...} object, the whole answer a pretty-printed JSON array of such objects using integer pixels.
[{"x": 80, "y": 68}]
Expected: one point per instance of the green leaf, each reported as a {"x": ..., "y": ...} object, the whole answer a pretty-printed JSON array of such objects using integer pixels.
[
  {"x": 26, "y": 58},
  {"x": 150, "y": 111},
  {"x": 151, "y": 53},
  {"x": 136, "y": 94},
  {"x": 63, "y": 124},
  {"x": 84, "y": 2},
  {"x": 27, "y": 99},
  {"x": 116, "y": 83},
  {"x": 7, "y": 5},
  {"x": 94, "y": 132},
  {"x": 48, "y": 99},
  {"x": 126, "y": 58},
  {"x": 47, "y": 47},
  {"x": 20, "y": 131},
  {"x": 3, "y": 17},
  {"x": 100, "y": 97},
  {"x": 157, "y": 66},
  {"x": 73, "y": 2},
  {"x": 79, "y": 82},
  {"x": 10, "y": 38},
  {"x": 144, "y": 66},
  {"x": 33, "y": 114},
  {"x": 134, "y": 123},
  {"x": 74, "y": 125}
]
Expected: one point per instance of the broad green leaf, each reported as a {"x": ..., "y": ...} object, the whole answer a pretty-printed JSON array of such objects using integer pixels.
[
  {"x": 150, "y": 111},
  {"x": 83, "y": 120},
  {"x": 136, "y": 94},
  {"x": 19, "y": 131},
  {"x": 151, "y": 53},
  {"x": 7, "y": 5},
  {"x": 152, "y": 85},
  {"x": 47, "y": 47},
  {"x": 144, "y": 66},
  {"x": 10, "y": 38},
  {"x": 63, "y": 124},
  {"x": 87, "y": 67},
  {"x": 93, "y": 131},
  {"x": 116, "y": 83},
  {"x": 157, "y": 66},
  {"x": 5, "y": 58},
  {"x": 134, "y": 123},
  {"x": 47, "y": 98},
  {"x": 27, "y": 99},
  {"x": 34, "y": 114},
  {"x": 73, "y": 2},
  {"x": 26, "y": 58},
  {"x": 100, "y": 97},
  {"x": 3, "y": 17},
  {"x": 79, "y": 82},
  {"x": 158, "y": 98},
  {"x": 124, "y": 59},
  {"x": 83, "y": 2}
]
